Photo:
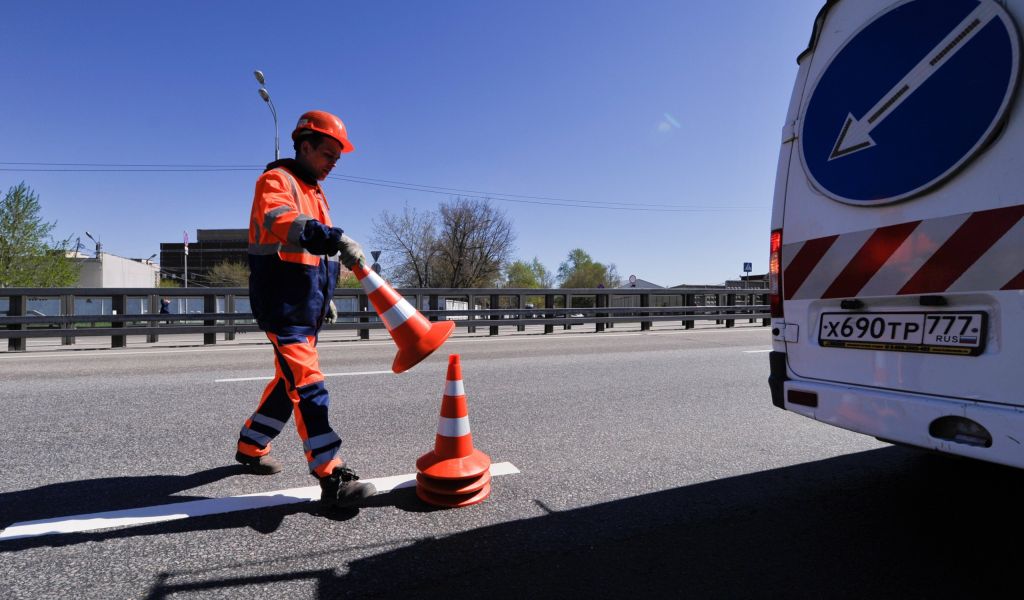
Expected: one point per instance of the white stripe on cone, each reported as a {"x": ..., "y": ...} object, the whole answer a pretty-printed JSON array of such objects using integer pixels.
[
  {"x": 371, "y": 282},
  {"x": 454, "y": 388},
  {"x": 397, "y": 314},
  {"x": 448, "y": 427}
]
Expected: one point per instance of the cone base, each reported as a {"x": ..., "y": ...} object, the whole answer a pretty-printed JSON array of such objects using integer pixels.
[
  {"x": 453, "y": 501},
  {"x": 436, "y": 467},
  {"x": 408, "y": 358},
  {"x": 453, "y": 487}
]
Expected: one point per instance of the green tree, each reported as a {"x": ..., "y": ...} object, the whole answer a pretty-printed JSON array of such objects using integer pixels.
[
  {"x": 29, "y": 256},
  {"x": 519, "y": 275},
  {"x": 229, "y": 274},
  {"x": 580, "y": 271},
  {"x": 347, "y": 279},
  {"x": 522, "y": 274}
]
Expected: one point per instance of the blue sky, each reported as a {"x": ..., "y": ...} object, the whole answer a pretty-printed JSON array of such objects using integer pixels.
[{"x": 673, "y": 103}]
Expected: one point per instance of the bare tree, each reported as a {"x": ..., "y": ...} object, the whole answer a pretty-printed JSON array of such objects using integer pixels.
[
  {"x": 410, "y": 241},
  {"x": 465, "y": 244},
  {"x": 475, "y": 242}
]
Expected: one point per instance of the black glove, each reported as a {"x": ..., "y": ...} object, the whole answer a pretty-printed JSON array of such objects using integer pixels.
[
  {"x": 320, "y": 239},
  {"x": 323, "y": 240}
]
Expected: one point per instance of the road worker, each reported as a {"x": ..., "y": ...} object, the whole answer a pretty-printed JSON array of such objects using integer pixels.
[{"x": 293, "y": 257}]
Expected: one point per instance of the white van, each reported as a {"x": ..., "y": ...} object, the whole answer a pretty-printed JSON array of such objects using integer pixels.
[{"x": 897, "y": 243}]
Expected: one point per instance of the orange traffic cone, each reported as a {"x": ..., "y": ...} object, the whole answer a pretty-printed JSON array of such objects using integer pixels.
[
  {"x": 454, "y": 473},
  {"x": 415, "y": 336}
]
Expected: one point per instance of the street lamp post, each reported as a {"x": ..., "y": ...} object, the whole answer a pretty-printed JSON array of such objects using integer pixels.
[
  {"x": 156, "y": 272},
  {"x": 99, "y": 246},
  {"x": 273, "y": 111}
]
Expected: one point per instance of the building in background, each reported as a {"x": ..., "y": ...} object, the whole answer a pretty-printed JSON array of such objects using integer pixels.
[
  {"x": 111, "y": 271},
  {"x": 749, "y": 282},
  {"x": 212, "y": 247},
  {"x": 636, "y": 282}
]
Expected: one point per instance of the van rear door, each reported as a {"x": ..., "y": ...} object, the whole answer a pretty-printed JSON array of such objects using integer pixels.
[{"x": 903, "y": 218}]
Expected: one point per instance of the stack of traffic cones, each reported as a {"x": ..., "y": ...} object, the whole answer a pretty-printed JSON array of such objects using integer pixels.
[
  {"x": 415, "y": 336},
  {"x": 454, "y": 474}
]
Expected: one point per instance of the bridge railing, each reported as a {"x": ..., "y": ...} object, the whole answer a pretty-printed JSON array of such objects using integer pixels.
[{"x": 68, "y": 313}]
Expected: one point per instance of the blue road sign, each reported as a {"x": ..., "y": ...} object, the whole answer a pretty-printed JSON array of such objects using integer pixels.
[{"x": 909, "y": 99}]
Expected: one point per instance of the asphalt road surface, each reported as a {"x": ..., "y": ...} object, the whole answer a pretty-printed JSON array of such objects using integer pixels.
[{"x": 650, "y": 464}]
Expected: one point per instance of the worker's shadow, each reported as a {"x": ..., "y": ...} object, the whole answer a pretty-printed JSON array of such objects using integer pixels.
[
  {"x": 121, "y": 493},
  {"x": 104, "y": 494}
]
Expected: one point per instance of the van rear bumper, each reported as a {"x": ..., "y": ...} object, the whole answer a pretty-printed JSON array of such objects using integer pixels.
[{"x": 908, "y": 418}]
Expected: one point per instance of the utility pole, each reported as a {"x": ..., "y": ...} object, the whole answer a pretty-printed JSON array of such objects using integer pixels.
[{"x": 186, "y": 258}]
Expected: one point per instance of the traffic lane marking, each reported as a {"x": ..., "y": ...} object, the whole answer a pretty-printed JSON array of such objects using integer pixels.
[
  {"x": 261, "y": 347},
  {"x": 236, "y": 379},
  {"x": 268, "y": 378},
  {"x": 752, "y": 351},
  {"x": 200, "y": 508}
]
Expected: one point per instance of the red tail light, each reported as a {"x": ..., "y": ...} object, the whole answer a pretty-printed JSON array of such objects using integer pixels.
[{"x": 775, "y": 273}]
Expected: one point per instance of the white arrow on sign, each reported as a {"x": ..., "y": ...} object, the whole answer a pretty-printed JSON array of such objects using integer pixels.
[{"x": 855, "y": 134}]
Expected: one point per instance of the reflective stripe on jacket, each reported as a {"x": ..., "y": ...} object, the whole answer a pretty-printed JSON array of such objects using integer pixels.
[{"x": 289, "y": 288}]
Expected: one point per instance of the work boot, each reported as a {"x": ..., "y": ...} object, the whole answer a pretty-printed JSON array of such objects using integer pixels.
[
  {"x": 259, "y": 465},
  {"x": 342, "y": 488}
]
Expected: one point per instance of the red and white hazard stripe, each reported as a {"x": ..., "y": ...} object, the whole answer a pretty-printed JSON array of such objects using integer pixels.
[{"x": 979, "y": 251}]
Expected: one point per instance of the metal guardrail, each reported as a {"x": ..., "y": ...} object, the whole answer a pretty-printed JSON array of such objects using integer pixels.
[{"x": 506, "y": 307}]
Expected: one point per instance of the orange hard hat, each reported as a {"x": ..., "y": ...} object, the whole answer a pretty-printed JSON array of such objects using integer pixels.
[{"x": 323, "y": 122}]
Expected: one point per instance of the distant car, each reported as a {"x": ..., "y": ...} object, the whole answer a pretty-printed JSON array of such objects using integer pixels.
[
  {"x": 35, "y": 313},
  {"x": 532, "y": 315}
]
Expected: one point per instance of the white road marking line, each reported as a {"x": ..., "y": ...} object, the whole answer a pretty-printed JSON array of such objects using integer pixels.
[
  {"x": 708, "y": 330},
  {"x": 756, "y": 351},
  {"x": 328, "y": 344},
  {"x": 200, "y": 508},
  {"x": 109, "y": 353},
  {"x": 234, "y": 379},
  {"x": 611, "y": 335},
  {"x": 463, "y": 340}
]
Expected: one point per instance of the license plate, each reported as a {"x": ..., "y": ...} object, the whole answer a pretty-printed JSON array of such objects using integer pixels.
[{"x": 961, "y": 333}]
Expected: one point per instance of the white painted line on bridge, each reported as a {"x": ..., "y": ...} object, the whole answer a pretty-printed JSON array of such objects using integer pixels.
[
  {"x": 113, "y": 353},
  {"x": 329, "y": 344},
  {"x": 234, "y": 379},
  {"x": 200, "y": 508},
  {"x": 464, "y": 340},
  {"x": 756, "y": 351}
]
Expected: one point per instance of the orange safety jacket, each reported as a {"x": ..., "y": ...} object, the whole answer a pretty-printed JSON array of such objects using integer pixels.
[{"x": 289, "y": 287}]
